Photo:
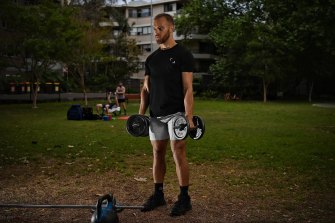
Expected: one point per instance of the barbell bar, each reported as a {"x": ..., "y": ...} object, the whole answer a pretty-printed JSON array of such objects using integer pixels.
[{"x": 138, "y": 125}]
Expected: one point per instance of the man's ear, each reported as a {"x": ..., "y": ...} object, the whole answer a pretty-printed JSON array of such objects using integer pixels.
[{"x": 172, "y": 28}]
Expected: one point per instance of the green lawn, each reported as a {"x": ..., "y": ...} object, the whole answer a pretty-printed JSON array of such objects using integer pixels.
[{"x": 286, "y": 137}]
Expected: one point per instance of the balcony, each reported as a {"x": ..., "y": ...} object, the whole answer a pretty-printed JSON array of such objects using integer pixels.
[{"x": 108, "y": 24}]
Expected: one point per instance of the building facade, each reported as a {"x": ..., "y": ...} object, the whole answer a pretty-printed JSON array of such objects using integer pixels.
[{"x": 140, "y": 16}]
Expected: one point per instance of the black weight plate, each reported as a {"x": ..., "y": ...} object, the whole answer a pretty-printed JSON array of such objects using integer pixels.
[
  {"x": 180, "y": 127},
  {"x": 199, "y": 131},
  {"x": 136, "y": 125},
  {"x": 147, "y": 121}
]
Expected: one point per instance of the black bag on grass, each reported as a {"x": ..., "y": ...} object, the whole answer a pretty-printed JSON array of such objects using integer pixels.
[
  {"x": 75, "y": 112},
  {"x": 88, "y": 113}
]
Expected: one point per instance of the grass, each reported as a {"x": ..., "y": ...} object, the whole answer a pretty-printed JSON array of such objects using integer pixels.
[
  {"x": 274, "y": 161},
  {"x": 284, "y": 137}
]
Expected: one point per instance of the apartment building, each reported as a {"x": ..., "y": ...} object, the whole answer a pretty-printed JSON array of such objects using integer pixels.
[{"x": 140, "y": 16}]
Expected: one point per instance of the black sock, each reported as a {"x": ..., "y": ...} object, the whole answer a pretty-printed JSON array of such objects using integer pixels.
[
  {"x": 159, "y": 188},
  {"x": 184, "y": 191}
]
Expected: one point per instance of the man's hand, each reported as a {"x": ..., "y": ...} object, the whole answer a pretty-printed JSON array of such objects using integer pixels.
[
  {"x": 190, "y": 121},
  {"x": 146, "y": 86}
]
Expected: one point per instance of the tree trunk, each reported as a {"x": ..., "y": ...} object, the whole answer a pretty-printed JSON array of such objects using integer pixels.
[
  {"x": 35, "y": 86},
  {"x": 82, "y": 82},
  {"x": 265, "y": 90},
  {"x": 85, "y": 97},
  {"x": 310, "y": 92},
  {"x": 35, "y": 92}
]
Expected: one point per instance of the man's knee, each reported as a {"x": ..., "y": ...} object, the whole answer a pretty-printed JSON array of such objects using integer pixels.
[
  {"x": 179, "y": 150},
  {"x": 159, "y": 146},
  {"x": 178, "y": 145}
]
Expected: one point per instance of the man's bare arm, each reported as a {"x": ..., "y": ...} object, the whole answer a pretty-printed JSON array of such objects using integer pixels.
[
  {"x": 188, "y": 96},
  {"x": 144, "y": 96}
]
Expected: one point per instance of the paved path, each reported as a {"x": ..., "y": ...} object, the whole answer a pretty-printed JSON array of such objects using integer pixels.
[
  {"x": 325, "y": 105},
  {"x": 50, "y": 97}
]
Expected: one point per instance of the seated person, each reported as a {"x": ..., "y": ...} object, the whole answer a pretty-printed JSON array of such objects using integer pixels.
[
  {"x": 113, "y": 109},
  {"x": 109, "y": 107}
]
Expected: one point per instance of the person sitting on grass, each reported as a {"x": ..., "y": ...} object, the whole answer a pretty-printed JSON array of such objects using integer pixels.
[{"x": 109, "y": 108}]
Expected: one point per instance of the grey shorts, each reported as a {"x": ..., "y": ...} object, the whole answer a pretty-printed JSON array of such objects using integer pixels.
[{"x": 161, "y": 128}]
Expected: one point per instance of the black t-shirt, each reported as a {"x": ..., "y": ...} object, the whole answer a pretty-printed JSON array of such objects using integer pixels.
[{"x": 165, "y": 68}]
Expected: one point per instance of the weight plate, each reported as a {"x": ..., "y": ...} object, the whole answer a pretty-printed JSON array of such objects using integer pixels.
[
  {"x": 147, "y": 122},
  {"x": 199, "y": 131},
  {"x": 180, "y": 127},
  {"x": 136, "y": 125}
]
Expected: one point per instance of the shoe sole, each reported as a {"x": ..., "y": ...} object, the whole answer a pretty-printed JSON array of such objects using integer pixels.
[
  {"x": 182, "y": 213},
  {"x": 151, "y": 209}
]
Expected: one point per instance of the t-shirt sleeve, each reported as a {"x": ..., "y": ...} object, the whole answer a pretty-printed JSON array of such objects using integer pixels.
[{"x": 188, "y": 62}]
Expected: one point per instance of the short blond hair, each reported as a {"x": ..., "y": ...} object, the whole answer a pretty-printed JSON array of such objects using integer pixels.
[{"x": 168, "y": 17}]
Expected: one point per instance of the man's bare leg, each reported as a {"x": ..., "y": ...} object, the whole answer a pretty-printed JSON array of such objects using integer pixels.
[
  {"x": 183, "y": 204},
  {"x": 158, "y": 172}
]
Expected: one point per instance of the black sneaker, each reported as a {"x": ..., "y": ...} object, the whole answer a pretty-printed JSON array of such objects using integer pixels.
[
  {"x": 153, "y": 202},
  {"x": 182, "y": 205}
]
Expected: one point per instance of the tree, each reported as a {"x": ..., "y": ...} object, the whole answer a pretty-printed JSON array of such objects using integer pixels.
[
  {"x": 121, "y": 53},
  {"x": 230, "y": 70},
  {"x": 102, "y": 58},
  {"x": 250, "y": 40},
  {"x": 267, "y": 52},
  {"x": 90, "y": 46},
  {"x": 312, "y": 29},
  {"x": 44, "y": 34},
  {"x": 273, "y": 40},
  {"x": 122, "y": 61}
]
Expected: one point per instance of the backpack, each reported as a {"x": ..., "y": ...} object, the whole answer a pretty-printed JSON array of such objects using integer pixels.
[
  {"x": 88, "y": 113},
  {"x": 75, "y": 112}
]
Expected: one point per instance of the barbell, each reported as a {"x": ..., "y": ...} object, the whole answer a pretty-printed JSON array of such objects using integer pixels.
[
  {"x": 138, "y": 125},
  {"x": 106, "y": 208}
]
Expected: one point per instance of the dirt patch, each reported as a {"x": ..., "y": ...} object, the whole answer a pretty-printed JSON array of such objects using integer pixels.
[{"x": 221, "y": 192}]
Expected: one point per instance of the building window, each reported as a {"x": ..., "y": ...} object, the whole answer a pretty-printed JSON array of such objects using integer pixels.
[
  {"x": 141, "y": 65},
  {"x": 139, "y": 13},
  {"x": 145, "y": 12},
  {"x": 133, "y": 31},
  {"x": 113, "y": 2},
  {"x": 139, "y": 31},
  {"x": 168, "y": 7},
  {"x": 146, "y": 30},
  {"x": 179, "y": 6},
  {"x": 132, "y": 13},
  {"x": 145, "y": 48},
  {"x": 117, "y": 33}
]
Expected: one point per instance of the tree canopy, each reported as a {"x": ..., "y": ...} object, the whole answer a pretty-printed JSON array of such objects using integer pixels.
[
  {"x": 44, "y": 34},
  {"x": 39, "y": 36},
  {"x": 279, "y": 43}
]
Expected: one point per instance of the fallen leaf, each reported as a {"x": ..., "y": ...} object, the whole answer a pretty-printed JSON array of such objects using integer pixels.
[{"x": 140, "y": 179}]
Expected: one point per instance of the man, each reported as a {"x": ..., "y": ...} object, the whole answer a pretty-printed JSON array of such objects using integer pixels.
[
  {"x": 167, "y": 90},
  {"x": 121, "y": 96}
]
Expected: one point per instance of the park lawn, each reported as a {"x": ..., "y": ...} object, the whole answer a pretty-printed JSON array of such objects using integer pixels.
[
  {"x": 272, "y": 135},
  {"x": 273, "y": 150}
]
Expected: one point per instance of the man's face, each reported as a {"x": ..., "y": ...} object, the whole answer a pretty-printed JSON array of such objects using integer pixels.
[{"x": 162, "y": 30}]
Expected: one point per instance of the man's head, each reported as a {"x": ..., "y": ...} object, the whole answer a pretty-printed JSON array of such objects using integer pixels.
[
  {"x": 120, "y": 84},
  {"x": 163, "y": 27}
]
